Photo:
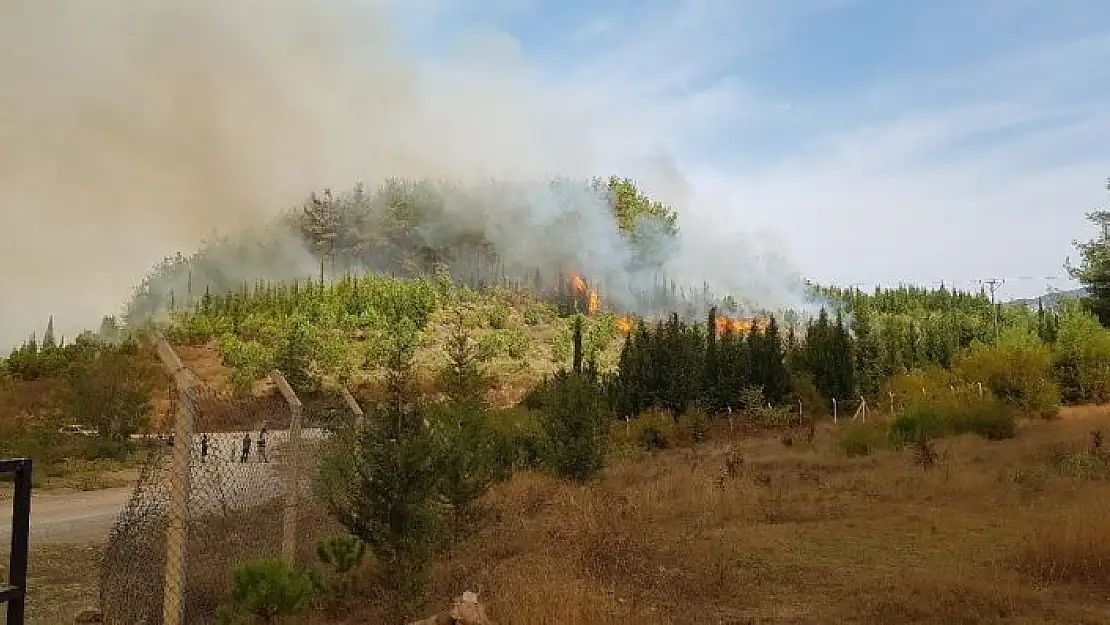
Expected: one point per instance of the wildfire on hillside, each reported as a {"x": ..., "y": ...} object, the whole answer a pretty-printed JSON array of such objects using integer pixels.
[
  {"x": 735, "y": 325},
  {"x": 626, "y": 323},
  {"x": 579, "y": 287}
]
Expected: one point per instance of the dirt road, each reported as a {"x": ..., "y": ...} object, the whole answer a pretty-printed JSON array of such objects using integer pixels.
[
  {"x": 69, "y": 517},
  {"x": 87, "y": 517}
]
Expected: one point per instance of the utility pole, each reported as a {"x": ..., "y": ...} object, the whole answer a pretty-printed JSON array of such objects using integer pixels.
[{"x": 993, "y": 284}]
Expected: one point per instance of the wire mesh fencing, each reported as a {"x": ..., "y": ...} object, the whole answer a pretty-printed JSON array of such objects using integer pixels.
[{"x": 230, "y": 486}]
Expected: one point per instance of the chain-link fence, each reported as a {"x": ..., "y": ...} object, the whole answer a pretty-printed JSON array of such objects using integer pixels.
[{"x": 216, "y": 494}]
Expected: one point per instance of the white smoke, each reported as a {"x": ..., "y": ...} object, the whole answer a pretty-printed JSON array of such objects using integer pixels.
[{"x": 132, "y": 130}]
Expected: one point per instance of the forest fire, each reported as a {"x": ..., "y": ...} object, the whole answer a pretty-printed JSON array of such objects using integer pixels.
[
  {"x": 579, "y": 287},
  {"x": 734, "y": 325},
  {"x": 626, "y": 323}
]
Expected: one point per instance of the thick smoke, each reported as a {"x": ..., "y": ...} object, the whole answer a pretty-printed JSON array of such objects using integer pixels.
[{"x": 134, "y": 129}]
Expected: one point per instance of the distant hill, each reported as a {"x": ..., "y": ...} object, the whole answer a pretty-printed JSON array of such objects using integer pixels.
[{"x": 1050, "y": 300}]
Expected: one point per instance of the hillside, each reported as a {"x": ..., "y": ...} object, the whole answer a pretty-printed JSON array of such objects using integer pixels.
[{"x": 1052, "y": 299}]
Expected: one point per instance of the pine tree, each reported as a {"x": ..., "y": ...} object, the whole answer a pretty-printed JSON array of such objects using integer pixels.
[
  {"x": 577, "y": 355},
  {"x": 48, "y": 341},
  {"x": 776, "y": 380},
  {"x": 868, "y": 375},
  {"x": 711, "y": 377},
  {"x": 843, "y": 371}
]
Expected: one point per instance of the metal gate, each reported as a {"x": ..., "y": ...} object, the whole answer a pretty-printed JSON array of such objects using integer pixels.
[{"x": 14, "y": 592}]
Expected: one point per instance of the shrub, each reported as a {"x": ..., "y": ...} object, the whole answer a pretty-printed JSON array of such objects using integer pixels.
[
  {"x": 654, "y": 430},
  {"x": 860, "y": 439},
  {"x": 342, "y": 556},
  {"x": 600, "y": 334},
  {"x": 561, "y": 344},
  {"x": 1081, "y": 362},
  {"x": 539, "y": 313},
  {"x": 692, "y": 427},
  {"x": 248, "y": 360},
  {"x": 471, "y": 456},
  {"x": 1018, "y": 370},
  {"x": 921, "y": 419},
  {"x": 523, "y": 435},
  {"x": 497, "y": 316},
  {"x": 295, "y": 353},
  {"x": 265, "y": 590},
  {"x": 988, "y": 418},
  {"x": 490, "y": 346}
]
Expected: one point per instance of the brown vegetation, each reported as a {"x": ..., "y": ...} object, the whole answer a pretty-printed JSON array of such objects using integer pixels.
[
  {"x": 1004, "y": 531},
  {"x": 735, "y": 531}
]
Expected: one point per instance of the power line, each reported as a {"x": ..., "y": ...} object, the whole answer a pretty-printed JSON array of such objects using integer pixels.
[{"x": 993, "y": 284}]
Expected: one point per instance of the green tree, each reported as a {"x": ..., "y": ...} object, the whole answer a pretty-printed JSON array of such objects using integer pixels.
[
  {"x": 111, "y": 389},
  {"x": 382, "y": 482},
  {"x": 575, "y": 423},
  {"x": 1094, "y": 269},
  {"x": 295, "y": 354},
  {"x": 868, "y": 374}
]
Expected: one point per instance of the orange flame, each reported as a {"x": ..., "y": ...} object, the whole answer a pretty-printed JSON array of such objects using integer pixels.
[
  {"x": 737, "y": 325},
  {"x": 625, "y": 324},
  {"x": 579, "y": 286}
]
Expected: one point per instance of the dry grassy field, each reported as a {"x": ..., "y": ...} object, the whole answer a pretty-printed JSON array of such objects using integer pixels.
[{"x": 753, "y": 531}]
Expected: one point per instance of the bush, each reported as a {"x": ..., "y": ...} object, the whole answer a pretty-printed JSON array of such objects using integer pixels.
[
  {"x": 1081, "y": 364},
  {"x": 539, "y": 313},
  {"x": 654, "y": 430},
  {"x": 248, "y": 360},
  {"x": 471, "y": 456},
  {"x": 1018, "y": 370},
  {"x": 987, "y": 418},
  {"x": 265, "y": 590},
  {"x": 342, "y": 556},
  {"x": 692, "y": 427},
  {"x": 497, "y": 316},
  {"x": 511, "y": 343},
  {"x": 860, "y": 439},
  {"x": 561, "y": 345}
]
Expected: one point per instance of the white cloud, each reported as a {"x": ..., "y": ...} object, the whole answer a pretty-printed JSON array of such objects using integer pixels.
[{"x": 950, "y": 173}]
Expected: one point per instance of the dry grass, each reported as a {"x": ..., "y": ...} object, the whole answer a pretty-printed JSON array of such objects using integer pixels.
[
  {"x": 1007, "y": 532},
  {"x": 804, "y": 536},
  {"x": 63, "y": 581}
]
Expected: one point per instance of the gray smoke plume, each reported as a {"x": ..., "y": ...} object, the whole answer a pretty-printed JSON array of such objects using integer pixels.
[{"x": 131, "y": 130}]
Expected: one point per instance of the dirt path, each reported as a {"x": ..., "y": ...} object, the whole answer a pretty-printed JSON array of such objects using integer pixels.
[
  {"x": 67, "y": 517},
  {"x": 73, "y": 517}
]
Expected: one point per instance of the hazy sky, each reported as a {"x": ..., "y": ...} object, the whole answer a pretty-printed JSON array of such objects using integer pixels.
[
  {"x": 882, "y": 141},
  {"x": 863, "y": 141}
]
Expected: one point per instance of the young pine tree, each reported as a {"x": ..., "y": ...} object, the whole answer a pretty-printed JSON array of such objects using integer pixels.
[{"x": 382, "y": 482}]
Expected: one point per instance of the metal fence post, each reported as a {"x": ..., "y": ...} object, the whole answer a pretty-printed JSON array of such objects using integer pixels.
[
  {"x": 173, "y": 598},
  {"x": 15, "y": 594},
  {"x": 352, "y": 405},
  {"x": 292, "y": 495}
]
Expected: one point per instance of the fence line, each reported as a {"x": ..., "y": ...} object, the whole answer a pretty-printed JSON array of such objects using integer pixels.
[{"x": 230, "y": 487}]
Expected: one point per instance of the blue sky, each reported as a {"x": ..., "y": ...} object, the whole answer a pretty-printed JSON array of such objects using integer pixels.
[{"x": 878, "y": 141}]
